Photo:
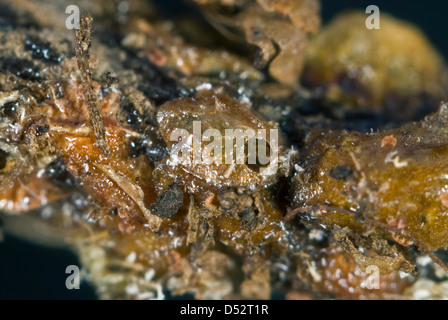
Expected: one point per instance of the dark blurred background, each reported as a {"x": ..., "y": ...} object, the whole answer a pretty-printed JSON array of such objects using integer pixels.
[{"x": 29, "y": 271}]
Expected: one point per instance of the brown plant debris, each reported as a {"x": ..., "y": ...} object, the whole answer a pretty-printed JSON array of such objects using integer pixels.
[
  {"x": 353, "y": 185},
  {"x": 83, "y": 43}
]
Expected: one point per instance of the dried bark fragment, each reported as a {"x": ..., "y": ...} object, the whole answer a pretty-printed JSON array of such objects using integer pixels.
[
  {"x": 163, "y": 47},
  {"x": 395, "y": 193},
  {"x": 269, "y": 25}
]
